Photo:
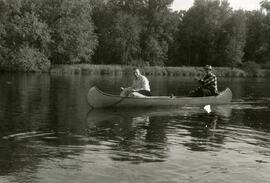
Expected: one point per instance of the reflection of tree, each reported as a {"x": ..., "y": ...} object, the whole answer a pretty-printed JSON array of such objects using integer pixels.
[
  {"x": 137, "y": 137},
  {"x": 259, "y": 122},
  {"x": 203, "y": 132},
  {"x": 22, "y": 158},
  {"x": 254, "y": 126},
  {"x": 147, "y": 144},
  {"x": 24, "y": 102},
  {"x": 15, "y": 157},
  {"x": 142, "y": 134},
  {"x": 38, "y": 102}
]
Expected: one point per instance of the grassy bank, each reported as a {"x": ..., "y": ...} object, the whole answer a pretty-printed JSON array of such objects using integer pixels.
[{"x": 117, "y": 70}]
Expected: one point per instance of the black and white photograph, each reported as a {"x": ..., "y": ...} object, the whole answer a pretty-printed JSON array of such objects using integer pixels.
[{"x": 134, "y": 91}]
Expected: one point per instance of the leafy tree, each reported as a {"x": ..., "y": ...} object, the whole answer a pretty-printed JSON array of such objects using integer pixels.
[
  {"x": 3, "y": 17},
  {"x": 235, "y": 28},
  {"x": 210, "y": 33},
  {"x": 30, "y": 59},
  {"x": 143, "y": 30},
  {"x": 34, "y": 33},
  {"x": 103, "y": 17},
  {"x": 158, "y": 30},
  {"x": 127, "y": 30},
  {"x": 265, "y": 49},
  {"x": 256, "y": 44},
  {"x": 257, "y": 47},
  {"x": 200, "y": 32},
  {"x": 72, "y": 29},
  {"x": 22, "y": 29},
  {"x": 265, "y": 4}
]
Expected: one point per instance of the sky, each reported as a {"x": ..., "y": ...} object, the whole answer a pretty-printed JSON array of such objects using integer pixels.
[{"x": 235, "y": 4}]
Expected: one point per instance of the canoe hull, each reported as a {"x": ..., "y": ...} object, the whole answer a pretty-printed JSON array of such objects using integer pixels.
[{"x": 99, "y": 99}]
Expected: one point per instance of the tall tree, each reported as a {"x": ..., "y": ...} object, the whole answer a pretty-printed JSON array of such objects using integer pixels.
[
  {"x": 127, "y": 30},
  {"x": 157, "y": 32},
  {"x": 236, "y": 39},
  {"x": 103, "y": 17},
  {"x": 265, "y": 5},
  {"x": 25, "y": 37},
  {"x": 147, "y": 22},
  {"x": 199, "y": 32},
  {"x": 72, "y": 29},
  {"x": 210, "y": 33},
  {"x": 256, "y": 43}
]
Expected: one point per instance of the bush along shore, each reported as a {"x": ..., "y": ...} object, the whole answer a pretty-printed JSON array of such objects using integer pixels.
[{"x": 185, "y": 71}]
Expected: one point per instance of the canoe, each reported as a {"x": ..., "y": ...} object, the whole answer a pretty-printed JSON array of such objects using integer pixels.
[{"x": 99, "y": 99}]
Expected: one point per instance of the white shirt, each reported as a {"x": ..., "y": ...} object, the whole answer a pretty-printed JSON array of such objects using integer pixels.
[{"x": 141, "y": 83}]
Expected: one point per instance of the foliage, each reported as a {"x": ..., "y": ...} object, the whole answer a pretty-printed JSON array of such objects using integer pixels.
[
  {"x": 116, "y": 70},
  {"x": 61, "y": 31},
  {"x": 234, "y": 49},
  {"x": 134, "y": 30},
  {"x": 211, "y": 33},
  {"x": 103, "y": 18},
  {"x": 127, "y": 30},
  {"x": 255, "y": 48},
  {"x": 72, "y": 30},
  {"x": 30, "y": 59},
  {"x": 21, "y": 26},
  {"x": 141, "y": 32},
  {"x": 266, "y": 65},
  {"x": 159, "y": 26},
  {"x": 252, "y": 68}
]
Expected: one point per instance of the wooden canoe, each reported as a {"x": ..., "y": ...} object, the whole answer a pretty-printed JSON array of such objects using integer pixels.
[{"x": 99, "y": 99}]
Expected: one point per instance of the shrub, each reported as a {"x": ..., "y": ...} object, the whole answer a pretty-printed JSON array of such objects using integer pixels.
[
  {"x": 266, "y": 65},
  {"x": 30, "y": 59},
  {"x": 251, "y": 68}
]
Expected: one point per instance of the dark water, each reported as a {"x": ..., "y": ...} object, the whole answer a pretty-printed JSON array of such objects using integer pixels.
[{"x": 49, "y": 134}]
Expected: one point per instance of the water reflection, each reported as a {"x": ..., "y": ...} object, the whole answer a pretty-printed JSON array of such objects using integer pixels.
[
  {"x": 137, "y": 137},
  {"x": 142, "y": 134},
  {"x": 29, "y": 153},
  {"x": 48, "y": 134}
]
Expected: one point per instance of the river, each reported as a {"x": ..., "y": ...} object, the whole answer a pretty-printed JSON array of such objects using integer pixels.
[{"x": 48, "y": 133}]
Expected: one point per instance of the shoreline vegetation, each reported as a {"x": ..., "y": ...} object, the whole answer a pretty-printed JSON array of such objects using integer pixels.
[
  {"x": 109, "y": 37},
  {"x": 184, "y": 71}
]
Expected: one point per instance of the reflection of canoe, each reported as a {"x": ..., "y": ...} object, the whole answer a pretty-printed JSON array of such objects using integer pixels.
[
  {"x": 126, "y": 116},
  {"x": 99, "y": 115},
  {"x": 99, "y": 99}
]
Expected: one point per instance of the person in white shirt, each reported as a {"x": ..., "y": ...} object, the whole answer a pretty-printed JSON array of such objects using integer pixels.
[{"x": 139, "y": 87}]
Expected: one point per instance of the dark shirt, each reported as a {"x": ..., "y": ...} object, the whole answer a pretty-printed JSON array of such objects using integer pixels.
[{"x": 210, "y": 82}]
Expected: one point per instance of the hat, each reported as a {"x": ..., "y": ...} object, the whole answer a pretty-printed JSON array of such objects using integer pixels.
[{"x": 208, "y": 67}]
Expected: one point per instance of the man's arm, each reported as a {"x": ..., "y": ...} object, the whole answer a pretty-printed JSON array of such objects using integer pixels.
[{"x": 199, "y": 79}]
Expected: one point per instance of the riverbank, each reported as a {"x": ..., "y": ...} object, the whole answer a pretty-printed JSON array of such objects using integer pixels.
[{"x": 117, "y": 70}]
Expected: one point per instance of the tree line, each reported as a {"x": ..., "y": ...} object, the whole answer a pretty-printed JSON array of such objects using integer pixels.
[{"x": 37, "y": 33}]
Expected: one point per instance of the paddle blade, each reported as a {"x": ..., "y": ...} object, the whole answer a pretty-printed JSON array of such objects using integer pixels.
[{"x": 207, "y": 108}]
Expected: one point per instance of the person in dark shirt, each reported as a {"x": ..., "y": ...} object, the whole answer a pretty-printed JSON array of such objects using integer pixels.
[{"x": 208, "y": 84}]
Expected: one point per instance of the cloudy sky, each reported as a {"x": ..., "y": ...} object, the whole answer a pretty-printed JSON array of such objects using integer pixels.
[{"x": 235, "y": 4}]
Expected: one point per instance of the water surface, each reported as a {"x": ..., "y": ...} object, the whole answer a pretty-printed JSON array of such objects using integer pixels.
[{"x": 48, "y": 133}]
